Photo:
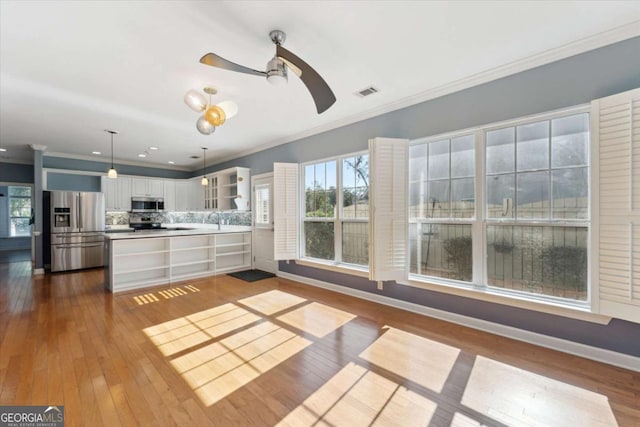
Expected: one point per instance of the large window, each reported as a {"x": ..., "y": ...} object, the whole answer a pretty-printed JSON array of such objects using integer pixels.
[
  {"x": 531, "y": 228},
  {"x": 337, "y": 210},
  {"x": 442, "y": 207},
  {"x": 19, "y": 211}
]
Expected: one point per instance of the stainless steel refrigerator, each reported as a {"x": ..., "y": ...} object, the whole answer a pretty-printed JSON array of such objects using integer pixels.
[{"x": 77, "y": 227}]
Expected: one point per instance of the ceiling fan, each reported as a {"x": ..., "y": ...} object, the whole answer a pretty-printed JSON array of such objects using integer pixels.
[{"x": 276, "y": 72}]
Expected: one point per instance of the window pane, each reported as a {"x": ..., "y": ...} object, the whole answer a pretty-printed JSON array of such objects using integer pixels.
[
  {"x": 500, "y": 150},
  {"x": 462, "y": 198},
  {"x": 20, "y": 191},
  {"x": 441, "y": 250},
  {"x": 355, "y": 191},
  {"x": 439, "y": 159},
  {"x": 533, "y": 146},
  {"x": 539, "y": 259},
  {"x": 262, "y": 205},
  {"x": 418, "y": 162},
  {"x": 417, "y": 200},
  {"x": 500, "y": 196},
  {"x": 320, "y": 191},
  {"x": 463, "y": 156},
  {"x": 319, "y": 238},
  {"x": 20, "y": 227},
  {"x": 438, "y": 203},
  {"x": 570, "y": 193},
  {"x": 570, "y": 141},
  {"x": 355, "y": 243},
  {"x": 533, "y": 195}
]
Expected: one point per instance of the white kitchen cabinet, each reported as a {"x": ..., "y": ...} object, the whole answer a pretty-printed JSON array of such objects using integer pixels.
[
  {"x": 117, "y": 193},
  {"x": 147, "y": 187},
  {"x": 189, "y": 195},
  {"x": 169, "y": 195},
  {"x": 229, "y": 189}
]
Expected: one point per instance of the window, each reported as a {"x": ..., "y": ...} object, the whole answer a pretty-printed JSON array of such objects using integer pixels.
[
  {"x": 537, "y": 207},
  {"x": 20, "y": 211},
  {"x": 441, "y": 205},
  {"x": 262, "y": 205},
  {"x": 336, "y": 211},
  {"x": 532, "y": 226}
]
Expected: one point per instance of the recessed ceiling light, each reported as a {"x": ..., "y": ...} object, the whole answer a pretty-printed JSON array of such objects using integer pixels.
[
  {"x": 142, "y": 155},
  {"x": 171, "y": 162},
  {"x": 153, "y": 148},
  {"x": 3, "y": 149},
  {"x": 96, "y": 152}
]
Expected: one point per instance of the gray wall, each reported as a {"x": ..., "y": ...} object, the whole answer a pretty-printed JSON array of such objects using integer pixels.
[
  {"x": 91, "y": 166},
  {"x": 565, "y": 83},
  {"x": 14, "y": 172},
  {"x": 73, "y": 182}
]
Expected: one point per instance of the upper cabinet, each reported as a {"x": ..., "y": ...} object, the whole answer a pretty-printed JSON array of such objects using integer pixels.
[
  {"x": 117, "y": 193},
  {"x": 147, "y": 187},
  {"x": 229, "y": 189},
  {"x": 189, "y": 195},
  {"x": 169, "y": 195}
]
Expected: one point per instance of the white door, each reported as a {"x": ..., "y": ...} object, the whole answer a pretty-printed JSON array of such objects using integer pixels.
[{"x": 262, "y": 208}]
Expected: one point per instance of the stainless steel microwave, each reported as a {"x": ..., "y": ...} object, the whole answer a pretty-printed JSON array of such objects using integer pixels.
[{"x": 147, "y": 204}]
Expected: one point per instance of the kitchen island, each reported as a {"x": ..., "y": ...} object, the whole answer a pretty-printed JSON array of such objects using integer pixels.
[{"x": 135, "y": 260}]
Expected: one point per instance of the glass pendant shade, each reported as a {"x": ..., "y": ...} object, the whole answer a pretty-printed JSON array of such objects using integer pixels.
[
  {"x": 215, "y": 115},
  {"x": 204, "y": 181},
  {"x": 195, "y": 100},
  {"x": 204, "y": 127},
  {"x": 230, "y": 108},
  {"x": 112, "y": 173}
]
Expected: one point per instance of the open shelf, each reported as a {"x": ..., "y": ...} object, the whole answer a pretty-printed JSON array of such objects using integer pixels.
[
  {"x": 203, "y": 261},
  {"x": 196, "y": 248},
  {"x": 126, "y": 254}
]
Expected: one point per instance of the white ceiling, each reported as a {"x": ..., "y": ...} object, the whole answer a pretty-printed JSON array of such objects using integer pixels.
[{"x": 70, "y": 69}]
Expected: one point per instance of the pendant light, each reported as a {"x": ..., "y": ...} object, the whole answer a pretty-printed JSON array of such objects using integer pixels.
[
  {"x": 112, "y": 172},
  {"x": 204, "y": 181}
]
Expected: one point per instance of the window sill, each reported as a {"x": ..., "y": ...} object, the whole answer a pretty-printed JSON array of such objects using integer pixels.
[
  {"x": 491, "y": 295},
  {"x": 335, "y": 266}
]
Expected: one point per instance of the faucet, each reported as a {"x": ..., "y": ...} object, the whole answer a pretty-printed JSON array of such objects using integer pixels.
[{"x": 219, "y": 221}]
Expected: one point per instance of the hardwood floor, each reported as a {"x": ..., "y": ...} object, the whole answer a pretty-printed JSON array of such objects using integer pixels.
[{"x": 222, "y": 352}]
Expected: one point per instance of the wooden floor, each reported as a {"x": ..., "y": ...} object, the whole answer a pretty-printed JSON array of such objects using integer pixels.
[{"x": 224, "y": 352}]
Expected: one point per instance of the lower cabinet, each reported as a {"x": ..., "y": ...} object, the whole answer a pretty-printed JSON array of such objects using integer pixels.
[{"x": 143, "y": 262}]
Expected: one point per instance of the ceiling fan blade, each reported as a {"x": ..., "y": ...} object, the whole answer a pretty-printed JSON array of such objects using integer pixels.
[
  {"x": 320, "y": 90},
  {"x": 218, "y": 61}
]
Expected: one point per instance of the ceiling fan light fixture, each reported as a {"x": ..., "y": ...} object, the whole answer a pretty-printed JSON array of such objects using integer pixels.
[
  {"x": 277, "y": 72},
  {"x": 215, "y": 115},
  {"x": 195, "y": 100},
  {"x": 204, "y": 127}
]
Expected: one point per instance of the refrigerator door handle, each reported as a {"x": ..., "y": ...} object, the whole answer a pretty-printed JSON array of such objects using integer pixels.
[
  {"x": 80, "y": 211},
  {"x": 76, "y": 246}
]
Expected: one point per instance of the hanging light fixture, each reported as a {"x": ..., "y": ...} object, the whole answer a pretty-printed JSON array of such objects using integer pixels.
[
  {"x": 214, "y": 115},
  {"x": 112, "y": 172},
  {"x": 204, "y": 181}
]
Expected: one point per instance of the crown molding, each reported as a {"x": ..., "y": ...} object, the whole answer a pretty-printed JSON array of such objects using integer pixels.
[
  {"x": 117, "y": 162},
  {"x": 577, "y": 47},
  {"x": 16, "y": 161},
  {"x": 36, "y": 147}
]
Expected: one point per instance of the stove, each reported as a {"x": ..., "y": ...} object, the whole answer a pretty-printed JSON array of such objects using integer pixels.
[{"x": 146, "y": 223}]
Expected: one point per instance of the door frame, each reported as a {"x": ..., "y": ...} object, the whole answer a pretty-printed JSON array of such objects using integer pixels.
[{"x": 254, "y": 178}]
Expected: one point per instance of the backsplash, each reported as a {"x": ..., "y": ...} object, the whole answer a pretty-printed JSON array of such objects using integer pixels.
[{"x": 228, "y": 218}]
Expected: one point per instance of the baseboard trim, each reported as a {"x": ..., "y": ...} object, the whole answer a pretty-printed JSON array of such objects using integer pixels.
[
  {"x": 38, "y": 271},
  {"x": 594, "y": 353}
]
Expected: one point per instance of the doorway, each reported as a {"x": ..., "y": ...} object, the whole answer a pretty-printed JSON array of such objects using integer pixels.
[{"x": 262, "y": 235}]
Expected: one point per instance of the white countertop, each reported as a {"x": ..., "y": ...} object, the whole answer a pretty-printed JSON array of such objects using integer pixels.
[{"x": 195, "y": 230}]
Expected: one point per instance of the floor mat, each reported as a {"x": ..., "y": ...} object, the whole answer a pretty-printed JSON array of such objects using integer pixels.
[{"x": 251, "y": 275}]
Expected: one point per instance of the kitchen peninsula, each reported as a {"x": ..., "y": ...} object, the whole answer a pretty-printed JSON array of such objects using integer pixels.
[{"x": 136, "y": 260}]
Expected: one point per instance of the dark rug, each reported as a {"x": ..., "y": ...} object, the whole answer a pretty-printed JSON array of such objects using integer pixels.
[{"x": 251, "y": 275}]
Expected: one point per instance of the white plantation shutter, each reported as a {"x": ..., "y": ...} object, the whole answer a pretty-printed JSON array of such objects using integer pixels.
[
  {"x": 388, "y": 209},
  {"x": 285, "y": 211},
  {"x": 616, "y": 205}
]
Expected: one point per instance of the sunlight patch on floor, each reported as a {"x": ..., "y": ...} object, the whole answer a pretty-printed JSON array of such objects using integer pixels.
[
  {"x": 514, "y": 396},
  {"x": 219, "y": 369},
  {"x": 423, "y": 361},
  {"x": 271, "y": 302},
  {"x": 356, "y": 396},
  {"x": 145, "y": 299},
  {"x": 461, "y": 420},
  {"x": 183, "y": 333},
  {"x": 317, "y": 319}
]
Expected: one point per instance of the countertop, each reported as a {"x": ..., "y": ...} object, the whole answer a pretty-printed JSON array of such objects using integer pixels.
[{"x": 195, "y": 229}]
